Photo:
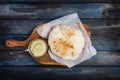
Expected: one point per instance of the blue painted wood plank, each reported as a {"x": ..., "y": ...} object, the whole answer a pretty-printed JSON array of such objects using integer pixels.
[
  {"x": 99, "y": 41},
  {"x": 105, "y": 33},
  {"x": 103, "y": 58},
  {"x": 67, "y": 1},
  {"x": 53, "y": 73},
  {"x": 52, "y": 11},
  {"x": 97, "y": 26}
]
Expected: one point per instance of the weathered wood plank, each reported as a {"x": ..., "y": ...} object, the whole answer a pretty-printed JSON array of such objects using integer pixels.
[
  {"x": 105, "y": 33},
  {"x": 25, "y": 26},
  {"x": 46, "y": 11},
  {"x": 19, "y": 26},
  {"x": 53, "y": 73},
  {"x": 100, "y": 41},
  {"x": 68, "y": 1},
  {"x": 103, "y": 58},
  {"x": 23, "y": 58}
]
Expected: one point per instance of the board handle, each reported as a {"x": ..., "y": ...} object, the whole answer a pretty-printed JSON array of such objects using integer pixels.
[{"x": 14, "y": 43}]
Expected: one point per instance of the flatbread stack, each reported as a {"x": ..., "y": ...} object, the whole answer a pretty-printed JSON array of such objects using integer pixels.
[{"x": 66, "y": 42}]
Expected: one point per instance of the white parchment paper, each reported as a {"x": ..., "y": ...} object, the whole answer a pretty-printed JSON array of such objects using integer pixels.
[{"x": 73, "y": 21}]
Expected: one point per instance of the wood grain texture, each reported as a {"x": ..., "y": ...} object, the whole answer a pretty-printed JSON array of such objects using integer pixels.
[
  {"x": 19, "y": 17},
  {"x": 105, "y": 33},
  {"x": 67, "y": 1},
  {"x": 103, "y": 58},
  {"x": 46, "y": 73},
  {"x": 52, "y": 11},
  {"x": 97, "y": 26},
  {"x": 99, "y": 41}
]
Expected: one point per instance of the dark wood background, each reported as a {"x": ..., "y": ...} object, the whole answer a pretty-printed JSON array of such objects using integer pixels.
[{"x": 19, "y": 17}]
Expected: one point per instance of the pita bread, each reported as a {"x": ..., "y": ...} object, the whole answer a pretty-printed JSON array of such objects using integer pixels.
[{"x": 66, "y": 42}]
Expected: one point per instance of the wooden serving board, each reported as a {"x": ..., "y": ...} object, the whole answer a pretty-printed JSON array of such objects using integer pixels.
[{"x": 45, "y": 59}]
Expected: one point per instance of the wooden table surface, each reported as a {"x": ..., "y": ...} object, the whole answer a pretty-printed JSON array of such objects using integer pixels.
[{"x": 19, "y": 17}]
